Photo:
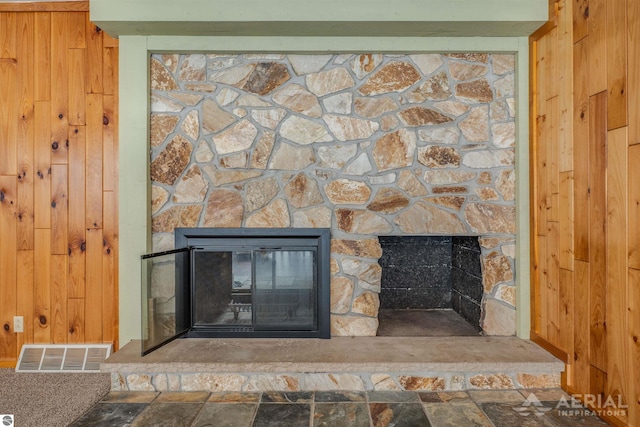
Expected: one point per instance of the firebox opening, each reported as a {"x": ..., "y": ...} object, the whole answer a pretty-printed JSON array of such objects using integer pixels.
[{"x": 431, "y": 286}]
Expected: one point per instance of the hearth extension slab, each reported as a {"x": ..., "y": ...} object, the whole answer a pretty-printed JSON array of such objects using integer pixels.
[{"x": 340, "y": 363}]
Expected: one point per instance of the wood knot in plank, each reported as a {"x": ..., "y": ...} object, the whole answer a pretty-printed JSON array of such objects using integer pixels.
[
  {"x": 105, "y": 120},
  {"x": 1, "y": 196},
  {"x": 7, "y": 327},
  {"x": 42, "y": 319},
  {"x": 54, "y": 145}
]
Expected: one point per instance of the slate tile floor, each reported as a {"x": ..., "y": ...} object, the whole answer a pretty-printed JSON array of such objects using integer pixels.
[{"x": 334, "y": 409}]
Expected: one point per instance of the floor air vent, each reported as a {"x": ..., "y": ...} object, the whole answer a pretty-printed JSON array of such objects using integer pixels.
[{"x": 62, "y": 357}]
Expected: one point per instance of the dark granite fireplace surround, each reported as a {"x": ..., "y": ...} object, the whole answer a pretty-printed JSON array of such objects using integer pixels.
[{"x": 432, "y": 272}]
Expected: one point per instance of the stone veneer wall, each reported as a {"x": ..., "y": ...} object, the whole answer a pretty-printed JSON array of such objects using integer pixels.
[{"x": 366, "y": 144}]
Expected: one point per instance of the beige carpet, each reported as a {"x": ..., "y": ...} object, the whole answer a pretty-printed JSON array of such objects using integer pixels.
[{"x": 43, "y": 399}]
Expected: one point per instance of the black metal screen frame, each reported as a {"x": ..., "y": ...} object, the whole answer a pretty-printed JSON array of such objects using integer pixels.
[{"x": 318, "y": 238}]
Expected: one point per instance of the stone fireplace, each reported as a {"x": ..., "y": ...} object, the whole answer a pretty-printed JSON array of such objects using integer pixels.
[{"x": 367, "y": 145}]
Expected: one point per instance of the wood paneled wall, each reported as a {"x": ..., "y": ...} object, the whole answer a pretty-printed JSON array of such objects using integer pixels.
[
  {"x": 585, "y": 105},
  {"x": 58, "y": 177}
]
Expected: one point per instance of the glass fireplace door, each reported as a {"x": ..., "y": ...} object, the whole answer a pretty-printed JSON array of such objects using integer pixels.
[
  {"x": 285, "y": 289},
  {"x": 241, "y": 289},
  {"x": 162, "y": 301}
]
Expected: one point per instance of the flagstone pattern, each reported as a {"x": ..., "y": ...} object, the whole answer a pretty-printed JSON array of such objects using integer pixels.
[
  {"x": 364, "y": 144},
  {"x": 531, "y": 407}
]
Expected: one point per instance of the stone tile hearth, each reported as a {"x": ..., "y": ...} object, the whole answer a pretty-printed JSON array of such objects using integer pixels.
[
  {"x": 341, "y": 363},
  {"x": 366, "y": 145}
]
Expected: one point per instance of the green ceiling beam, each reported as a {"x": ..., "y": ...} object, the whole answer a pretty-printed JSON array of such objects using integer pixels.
[{"x": 338, "y": 18}]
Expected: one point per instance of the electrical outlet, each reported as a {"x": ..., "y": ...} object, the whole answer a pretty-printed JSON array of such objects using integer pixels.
[{"x": 18, "y": 324}]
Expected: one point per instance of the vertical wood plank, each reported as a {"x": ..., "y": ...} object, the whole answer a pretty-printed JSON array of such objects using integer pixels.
[
  {"x": 42, "y": 181},
  {"x": 25, "y": 130},
  {"x": 8, "y": 35},
  {"x": 551, "y": 63},
  {"x": 597, "y": 46},
  {"x": 75, "y": 314},
  {"x": 77, "y": 88},
  {"x": 42, "y": 287},
  {"x": 8, "y": 262},
  {"x": 581, "y": 150},
  {"x": 598, "y": 230},
  {"x": 59, "y": 87},
  {"x": 94, "y": 161},
  {"x": 76, "y": 36},
  {"x": 581, "y": 327},
  {"x": 616, "y": 47},
  {"x": 42, "y": 56},
  {"x": 25, "y": 305},
  {"x": 566, "y": 210},
  {"x": 553, "y": 153},
  {"x": 634, "y": 207},
  {"x": 541, "y": 89},
  {"x": 543, "y": 287},
  {"x": 110, "y": 70},
  {"x": 598, "y": 383},
  {"x": 108, "y": 41},
  {"x": 8, "y": 116},
  {"x": 59, "y": 270},
  {"x": 567, "y": 314},
  {"x": 94, "y": 58},
  {"x": 553, "y": 207},
  {"x": 580, "y": 19},
  {"x": 534, "y": 182},
  {"x": 110, "y": 144},
  {"x": 76, "y": 240},
  {"x": 553, "y": 284},
  {"x": 565, "y": 86},
  {"x": 93, "y": 299},
  {"x": 110, "y": 268},
  {"x": 541, "y": 168},
  {"x": 566, "y": 220},
  {"x": 633, "y": 346},
  {"x": 633, "y": 77},
  {"x": 617, "y": 270},
  {"x": 59, "y": 209}
]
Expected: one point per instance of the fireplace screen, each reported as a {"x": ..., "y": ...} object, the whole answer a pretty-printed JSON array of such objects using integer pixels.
[
  {"x": 244, "y": 282},
  {"x": 262, "y": 289}
]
